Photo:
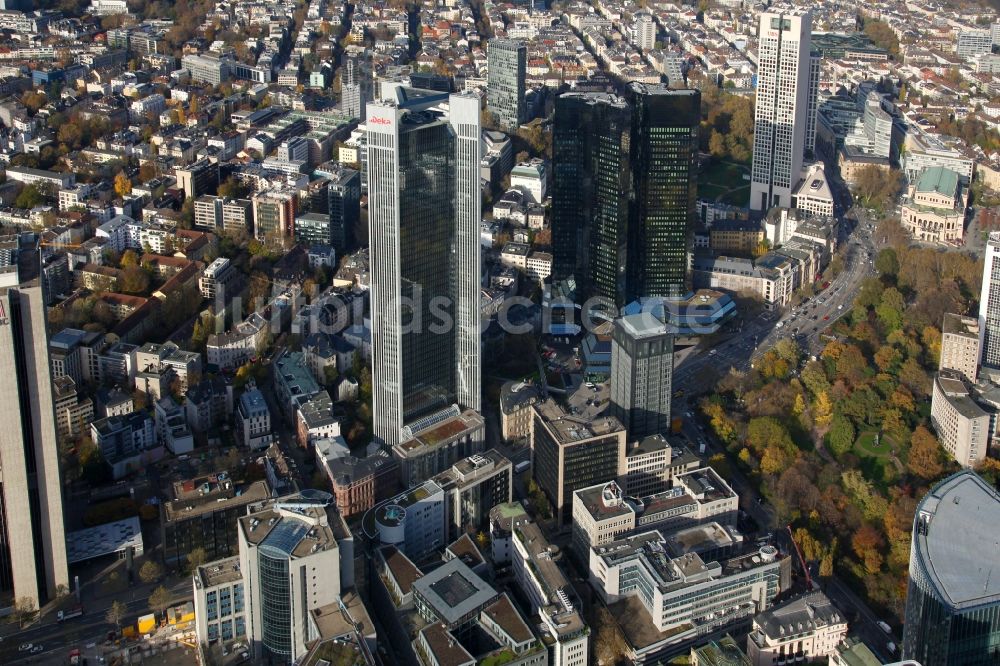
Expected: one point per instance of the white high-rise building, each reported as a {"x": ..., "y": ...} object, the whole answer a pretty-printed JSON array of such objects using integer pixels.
[
  {"x": 989, "y": 305},
  {"x": 424, "y": 203},
  {"x": 785, "y": 76}
]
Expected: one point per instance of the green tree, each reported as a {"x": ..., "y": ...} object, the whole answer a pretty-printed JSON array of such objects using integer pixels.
[
  {"x": 841, "y": 435},
  {"x": 29, "y": 197},
  {"x": 887, "y": 263},
  {"x": 195, "y": 558}
]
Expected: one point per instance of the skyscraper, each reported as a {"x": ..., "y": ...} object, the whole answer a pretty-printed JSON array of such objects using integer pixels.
[
  {"x": 989, "y": 305},
  {"x": 781, "y": 120},
  {"x": 642, "y": 364},
  {"x": 424, "y": 203},
  {"x": 664, "y": 148},
  {"x": 953, "y": 600},
  {"x": 32, "y": 534},
  {"x": 624, "y": 191},
  {"x": 507, "y": 61},
  {"x": 355, "y": 87}
]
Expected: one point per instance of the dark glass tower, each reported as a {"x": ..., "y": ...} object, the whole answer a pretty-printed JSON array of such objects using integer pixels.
[
  {"x": 591, "y": 190},
  {"x": 624, "y": 191},
  {"x": 664, "y": 149}
]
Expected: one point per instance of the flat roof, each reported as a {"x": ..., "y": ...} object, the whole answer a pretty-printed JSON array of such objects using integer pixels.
[
  {"x": 454, "y": 590},
  {"x": 955, "y": 540},
  {"x": 219, "y": 572},
  {"x": 114, "y": 537},
  {"x": 958, "y": 325},
  {"x": 569, "y": 429}
]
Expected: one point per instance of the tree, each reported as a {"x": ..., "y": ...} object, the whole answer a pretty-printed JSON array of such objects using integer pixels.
[
  {"x": 717, "y": 145},
  {"x": 129, "y": 259},
  {"x": 123, "y": 186},
  {"x": 29, "y": 197},
  {"x": 24, "y": 609},
  {"x": 196, "y": 558},
  {"x": 134, "y": 280},
  {"x": 116, "y": 613},
  {"x": 160, "y": 599},
  {"x": 822, "y": 410},
  {"x": 147, "y": 172},
  {"x": 841, "y": 435},
  {"x": 925, "y": 455},
  {"x": 887, "y": 263},
  {"x": 150, "y": 572},
  {"x": 233, "y": 189},
  {"x": 866, "y": 543},
  {"x": 70, "y": 134}
]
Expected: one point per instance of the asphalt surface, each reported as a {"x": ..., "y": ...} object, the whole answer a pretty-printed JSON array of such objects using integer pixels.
[{"x": 697, "y": 372}]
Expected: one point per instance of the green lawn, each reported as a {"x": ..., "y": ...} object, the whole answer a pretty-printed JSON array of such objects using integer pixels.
[
  {"x": 716, "y": 179},
  {"x": 865, "y": 445},
  {"x": 710, "y": 192}
]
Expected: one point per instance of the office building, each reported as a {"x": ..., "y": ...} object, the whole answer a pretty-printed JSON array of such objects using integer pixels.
[
  {"x": 296, "y": 556},
  {"x": 989, "y": 304},
  {"x": 424, "y": 214},
  {"x": 207, "y": 68},
  {"x": 32, "y": 542},
  {"x": 356, "y": 87},
  {"x": 960, "y": 345},
  {"x": 202, "y": 513},
  {"x": 539, "y": 574},
  {"x": 73, "y": 411},
  {"x": 198, "y": 178},
  {"x": 274, "y": 214},
  {"x": 216, "y": 277},
  {"x": 670, "y": 591},
  {"x": 220, "y": 607},
  {"x": 624, "y": 192},
  {"x": 642, "y": 363},
  {"x": 970, "y": 43},
  {"x": 807, "y": 627},
  {"x": 953, "y": 600},
  {"x": 604, "y": 513},
  {"x": 430, "y": 445},
  {"x": 783, "y": 105},
  {"x": 360, "y": 483},
  {"x": 570, "y": 453},
  {"x": 413, "y": 522},
  {"x": 473, "y": 486},
  {"x": 505, "y": 83},
  {"x": 516, "y": 399}
]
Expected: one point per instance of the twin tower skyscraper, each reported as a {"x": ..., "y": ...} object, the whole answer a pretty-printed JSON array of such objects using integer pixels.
[{"x": 623, "y": 204}]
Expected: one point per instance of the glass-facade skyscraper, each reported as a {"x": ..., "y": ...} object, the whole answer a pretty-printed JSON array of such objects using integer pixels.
[
  {"x": 507, "y": 62},
  {"x": 953, "y": 600},
  {"x": 424, "y": 208},
  {"x": 624, "y": 191}
]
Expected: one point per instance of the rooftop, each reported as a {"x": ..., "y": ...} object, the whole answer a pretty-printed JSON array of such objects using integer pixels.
[
  {"x": 293, "y": 526},
  {"x": 568, "y": 429},
  {"x": 958, "y": 325},
  {"x": 806, "y": 612},
  {"x": 938, "y": 179},
  {"x": 443, "y": 427},
  {"x": 447, "y": 651},
  {"x": 453, "y": 591},
  {"x": 544, "y": 560},
  {"x": 92, "y": 542},
  {"x": 220, "y": 572},
  {"x": 205, "y": 495},
  {"x": 955, "y": 541},
  {"x": 468, "y": 471}
]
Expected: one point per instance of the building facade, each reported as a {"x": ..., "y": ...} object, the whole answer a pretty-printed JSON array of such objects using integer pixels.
[
  {"x": 642, "y": 364},
  {"x": 782, "y": 109},
  {"x": 960, "y": 345},
  {"x": 424, "y": 203},
  {"x": 33, "y": 546},
  {"x": 505, "y": 83},
  {"x": 953, "y": 601}
]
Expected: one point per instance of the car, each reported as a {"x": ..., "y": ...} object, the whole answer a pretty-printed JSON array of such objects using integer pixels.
[
  {"x": 840, "y": 307},
  {"x": 590, "y": 385},
  {"x": 713, "y": 352},
  {"x": 815, "y": 317},
  {"x": 36, "y": 649},
  {"x": 826, "y": 317},
  {"x": 884, "y": 626},
  {"x": 25, "y": 647}
]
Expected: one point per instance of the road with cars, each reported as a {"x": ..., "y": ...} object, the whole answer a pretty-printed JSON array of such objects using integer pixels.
[{"x": 696, "y": 373}]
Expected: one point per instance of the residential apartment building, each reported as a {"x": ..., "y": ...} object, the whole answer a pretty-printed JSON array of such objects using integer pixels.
[
  {"x": 516, "y": 399},
  {"x": 962, "y": 426},
  {"x": 216, "y": 278},
  {"x": 253, "y": 420}
]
